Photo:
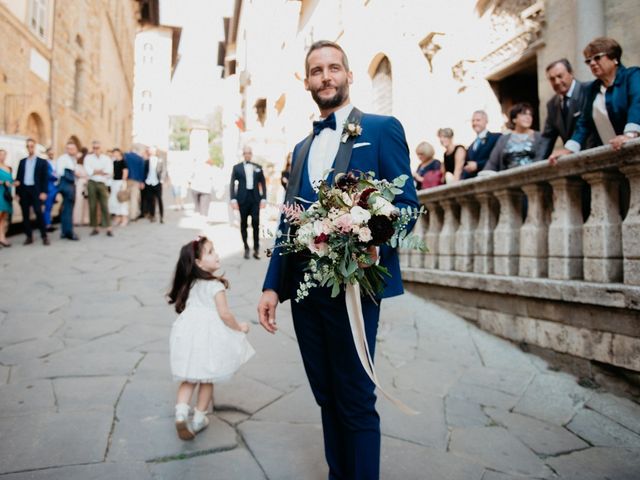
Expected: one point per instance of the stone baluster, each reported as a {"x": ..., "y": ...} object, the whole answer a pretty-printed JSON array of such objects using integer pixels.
[
  {"x": 565, "y": 231},
  {"x": 416, "y": 257},
  {"x": 602, "y": 233},
  {"x": 506, "y": 236},
  {"x": 447, "y": 239},
  {"x": 469, "y": 213},
  {"x": 534, "y": 234},
  {"x": 434, "y": 218},
  {"x": 483, "y": 236},
  {"x": 631, "y": 228}
]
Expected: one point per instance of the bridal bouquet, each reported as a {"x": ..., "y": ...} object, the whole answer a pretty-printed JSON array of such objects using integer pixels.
[{"x": 341, "y": 227}]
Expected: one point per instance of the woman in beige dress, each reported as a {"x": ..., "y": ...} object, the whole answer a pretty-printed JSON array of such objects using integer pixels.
[{"x": 81, "y": 207}]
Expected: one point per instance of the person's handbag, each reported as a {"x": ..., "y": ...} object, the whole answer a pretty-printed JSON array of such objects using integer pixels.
[
  {"x": 432, "y": 178},
  {"x": 123, "y": 195}
]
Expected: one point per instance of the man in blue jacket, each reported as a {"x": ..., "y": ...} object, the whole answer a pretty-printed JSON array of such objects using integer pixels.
[
  {"x": 342, "y": 389},
  {"x": 480, "y": 150},
  {"x": 31, "y": 188},
  {"x": 135, "y": 182}
]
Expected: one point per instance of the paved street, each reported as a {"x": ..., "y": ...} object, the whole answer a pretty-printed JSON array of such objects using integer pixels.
[{"x": 86, "y": 392}]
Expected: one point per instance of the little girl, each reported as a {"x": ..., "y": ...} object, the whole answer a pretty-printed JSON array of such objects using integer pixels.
[{"x": 207, "y": 344}]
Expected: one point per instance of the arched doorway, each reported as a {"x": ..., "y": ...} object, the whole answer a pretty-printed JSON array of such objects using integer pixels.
[
  {"x": 382, "y": 87},
  {"x": 35, "y": 128}
]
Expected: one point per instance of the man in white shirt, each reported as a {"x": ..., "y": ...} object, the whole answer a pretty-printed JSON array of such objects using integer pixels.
[
  {"x": 155, "y": 173},
  {"x": 65, "y": 171},
  {"x": 99, "y": 167},
  {"x": 249, "y": 196}
]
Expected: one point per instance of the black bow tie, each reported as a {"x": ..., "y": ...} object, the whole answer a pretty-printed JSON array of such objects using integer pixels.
[{"x": 329, "y": 122}]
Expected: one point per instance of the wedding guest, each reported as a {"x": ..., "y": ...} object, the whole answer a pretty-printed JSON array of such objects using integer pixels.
[
  {"x": 612, "y": 110},
  {"x": 284, "y": 175},
  {"x": 521, "y": 146},
  {"x": 119, "y": 183},
  {"x": 135, "y": 183},
  {"x": 202, "y": 182},
  {"x": 480, "y": 150},
  {"x": 454, "y": 156},
  {"x": 81, "y": 206},
  {"x": 152, "y": 193},
  {"x": 99, "y": 167},
  {"x": 65, "y": 171},
  {"x": 248, "y": 196},
  {"x": 6, "y": 200},
  {"x": 31, "y": 188},
  {"x": 429, "y": 172},
  {"x": 207, "y": 344},
  {"x": 565, "y": 107},
  {"x": 52, "y": 190}
]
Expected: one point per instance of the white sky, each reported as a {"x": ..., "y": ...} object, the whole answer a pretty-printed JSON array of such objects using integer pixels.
[{"x": 196, "y": 80}]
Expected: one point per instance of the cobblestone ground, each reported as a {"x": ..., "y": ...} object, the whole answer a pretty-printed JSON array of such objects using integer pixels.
[{"x": 86, "y": 393}]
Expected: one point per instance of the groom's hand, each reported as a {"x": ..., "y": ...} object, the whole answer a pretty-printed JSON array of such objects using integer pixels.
[{"x": 267, "y": 310}]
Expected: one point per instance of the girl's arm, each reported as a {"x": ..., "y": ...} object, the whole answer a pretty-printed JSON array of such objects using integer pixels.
[
  {"x": 226, "y": 315},
  {"x": 459, "y": 157}
]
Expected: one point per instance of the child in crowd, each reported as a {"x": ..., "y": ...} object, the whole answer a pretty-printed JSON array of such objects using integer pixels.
[{"x": 207, "y": 344}]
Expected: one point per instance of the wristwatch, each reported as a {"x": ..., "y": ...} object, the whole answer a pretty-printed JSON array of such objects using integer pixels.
[{"x": 631, "y": 134}]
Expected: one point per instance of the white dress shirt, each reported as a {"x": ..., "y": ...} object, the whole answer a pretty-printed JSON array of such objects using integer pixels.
[
  {"x": 325, "y": 147},
  {"x": 93, "y": 162},
  {"x": 63, "y": 163},
  {"x": 30, "y": 171},
  {"x": 152, "y": 176},
  {"x": 248, "y": 173}
]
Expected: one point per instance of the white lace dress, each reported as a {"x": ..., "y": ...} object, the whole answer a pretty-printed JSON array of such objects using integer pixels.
[{"x": 202, "y": 347}]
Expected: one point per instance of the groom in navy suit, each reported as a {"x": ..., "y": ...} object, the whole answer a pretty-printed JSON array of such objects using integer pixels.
[{"x": 340, "y": 385}]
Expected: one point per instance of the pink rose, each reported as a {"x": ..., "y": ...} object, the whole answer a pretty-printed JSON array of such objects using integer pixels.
[{"x": 343, "y": 223}]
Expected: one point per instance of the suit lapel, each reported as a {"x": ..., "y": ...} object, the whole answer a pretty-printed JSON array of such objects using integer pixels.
[
  {"x": 344, "y": 150},
  {"x": 296, "y": 171}
]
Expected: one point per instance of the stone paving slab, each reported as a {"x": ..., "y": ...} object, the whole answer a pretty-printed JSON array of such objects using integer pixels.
[
  {"x": 97, "y": 471},
  {"x": 41, "y": 440},
  {"x": 600, "y": 431},
  {"x": 620, "y": 410},
  {"x": 598, "y": 464}
]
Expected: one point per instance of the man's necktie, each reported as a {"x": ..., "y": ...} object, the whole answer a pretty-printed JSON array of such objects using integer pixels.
[
  {"x": 565, "y": 105},
  {"x": 476, "y": 144},
  {"x": 329, "y": 122}
]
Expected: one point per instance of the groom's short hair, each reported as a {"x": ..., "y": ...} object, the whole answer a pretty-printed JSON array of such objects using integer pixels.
[{"x": 322, "y": 44}]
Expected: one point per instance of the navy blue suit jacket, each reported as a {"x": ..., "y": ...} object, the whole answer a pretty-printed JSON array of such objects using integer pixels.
[
  {"x": 238, "y": 184},
  {"x": 382, "y": 149},
  {"x": 482, "y": 153},
  {"x": 40, "y": 175}
]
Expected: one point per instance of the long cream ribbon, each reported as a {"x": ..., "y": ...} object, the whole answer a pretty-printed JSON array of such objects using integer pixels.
[{"x": 356, "y": 320}]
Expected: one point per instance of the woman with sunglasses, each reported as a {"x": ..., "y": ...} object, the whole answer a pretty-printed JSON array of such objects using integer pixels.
[{"x": 612, "y": 109}]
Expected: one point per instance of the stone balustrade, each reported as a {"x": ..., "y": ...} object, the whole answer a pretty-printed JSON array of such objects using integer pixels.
[{"x": 547, "y": 255}]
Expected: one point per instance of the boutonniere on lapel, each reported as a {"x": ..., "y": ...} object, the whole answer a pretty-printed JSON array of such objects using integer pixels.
[{"x": 350, "y": 129}]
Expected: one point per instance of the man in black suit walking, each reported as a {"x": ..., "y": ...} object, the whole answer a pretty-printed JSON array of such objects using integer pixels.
[
  {"x": 249, "y": 194},
  {"x": 565, "y": 107},
  {"x": 31, "y": 188}
]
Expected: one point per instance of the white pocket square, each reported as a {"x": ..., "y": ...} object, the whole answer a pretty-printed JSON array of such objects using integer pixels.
[
  {"x": 577, "y": 114},
  {"x": 362, "y": 144}
]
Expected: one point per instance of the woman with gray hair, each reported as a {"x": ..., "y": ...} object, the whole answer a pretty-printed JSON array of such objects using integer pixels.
[{"x": 429, "y": 173}]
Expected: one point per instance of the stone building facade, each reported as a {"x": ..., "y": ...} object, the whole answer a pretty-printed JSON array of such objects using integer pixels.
[
  {"x": 66, "y": 70},
  {"x": 428, "y": 65}
]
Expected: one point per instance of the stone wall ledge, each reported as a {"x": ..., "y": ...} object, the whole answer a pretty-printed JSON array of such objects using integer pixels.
[{"x": 612, "y": 295}]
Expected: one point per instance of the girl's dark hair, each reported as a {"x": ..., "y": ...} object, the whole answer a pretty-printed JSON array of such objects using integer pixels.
[{"x": 187, "y": 272}]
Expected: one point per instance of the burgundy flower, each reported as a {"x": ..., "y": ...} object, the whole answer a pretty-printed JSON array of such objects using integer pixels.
[
  {"x": 322, "y": 238},
  {"x": 346, "y": 181},
  {"x": 381, "y": 229},
  {"x": 363, "y": 202}
]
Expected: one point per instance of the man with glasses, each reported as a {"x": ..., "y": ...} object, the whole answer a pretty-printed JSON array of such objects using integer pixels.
[
  {"x": 31, "y": 188},
  {"x": 99, "y": 167}
]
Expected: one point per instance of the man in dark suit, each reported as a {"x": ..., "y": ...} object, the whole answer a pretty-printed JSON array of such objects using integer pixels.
[
  {"x": 340, "y": 384},
  {"x": 31, "y": 188},
  {"x": 480, "y": 150},
  {"x": 249, "y": 195},
  {"x": 565, "y": 107}
]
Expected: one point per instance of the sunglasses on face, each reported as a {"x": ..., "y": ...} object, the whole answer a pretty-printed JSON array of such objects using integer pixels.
[{"x": 595, "y": 57}]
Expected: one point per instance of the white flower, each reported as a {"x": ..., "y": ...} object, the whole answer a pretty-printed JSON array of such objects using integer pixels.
[
  {"x": 359, "y": 215},
  {"x": 364, "y": 235},
  {"x": 382, "y": 206},
  {"x": 346, "y": 198},
  {"x": 306, "y": 234}
]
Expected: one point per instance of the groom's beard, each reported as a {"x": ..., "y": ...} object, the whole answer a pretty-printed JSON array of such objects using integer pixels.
[{"x": 342, "y": 91}]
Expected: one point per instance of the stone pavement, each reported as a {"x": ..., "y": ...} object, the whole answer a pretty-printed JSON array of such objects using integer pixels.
[{"x": 86, "y": 393}]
